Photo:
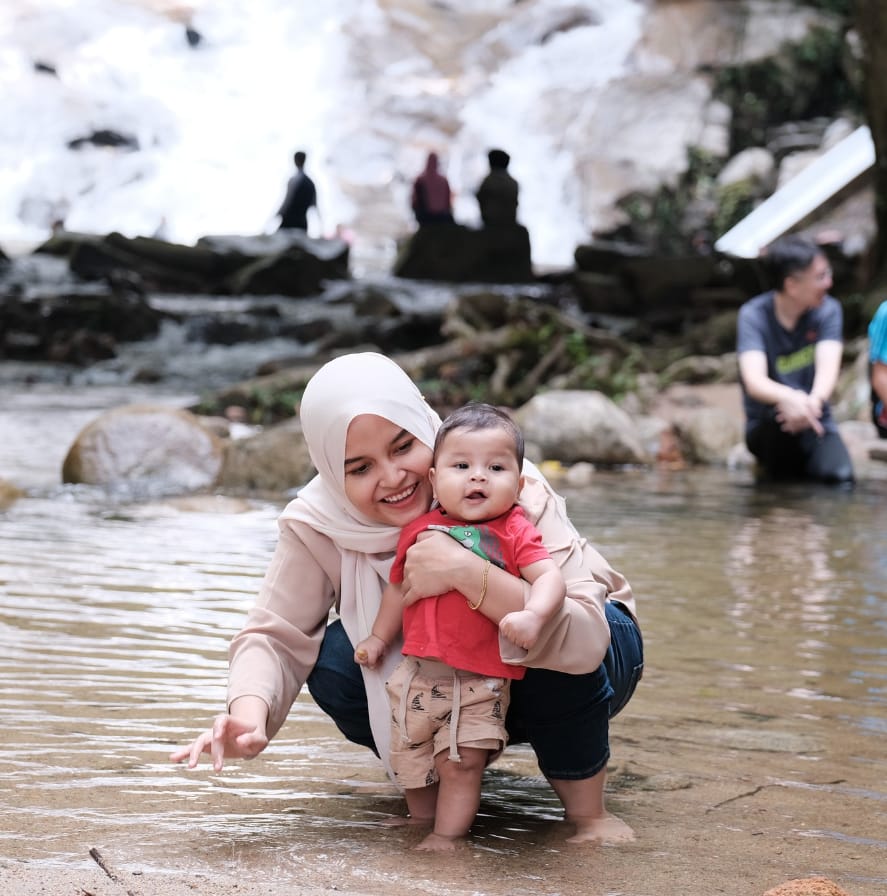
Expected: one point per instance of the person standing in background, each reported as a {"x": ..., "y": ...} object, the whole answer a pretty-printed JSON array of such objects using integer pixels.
[{"x": 301, "y": 195}]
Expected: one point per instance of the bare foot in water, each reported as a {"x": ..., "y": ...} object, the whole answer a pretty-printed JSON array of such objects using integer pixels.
[
  {"x": 604, "y": 830},
  {"x": 438, "y": 843}
]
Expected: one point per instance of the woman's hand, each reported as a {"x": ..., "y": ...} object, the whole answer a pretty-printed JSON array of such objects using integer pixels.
[
  {"x": 430, "y": 565},
  {"x": 231, "y": 737}
]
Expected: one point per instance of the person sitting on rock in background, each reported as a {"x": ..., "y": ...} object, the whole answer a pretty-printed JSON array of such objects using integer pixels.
[
  {"x": 878, "y": 369},
  {"x": 432, "y": 200},
  {"x": 789, "y": 346},
  {"x": 497, "y": 193},
  {"x": 301, "y": 195}
]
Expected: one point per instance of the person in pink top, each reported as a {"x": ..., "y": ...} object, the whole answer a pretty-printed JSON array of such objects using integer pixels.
[
  {"x": 449, "y": 694},
  {"x": 432, "y": 201}
]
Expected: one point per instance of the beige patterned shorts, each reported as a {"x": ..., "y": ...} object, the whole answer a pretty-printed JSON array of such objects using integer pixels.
[{"x": 426, "y": 697}]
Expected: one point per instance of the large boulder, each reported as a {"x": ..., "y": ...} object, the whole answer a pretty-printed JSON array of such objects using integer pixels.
[
  {"x": 283, "y": 263},
  {"x": 154, "y": 448},
  {"x": 572, "y": 426},
  {"x": 274, "y": 460},
  {"x": 460, "y": 254},
  {"x": 708, "y": 435},
  {"x": 618, "y": 277},
  {"x": 74, "y": 323}
]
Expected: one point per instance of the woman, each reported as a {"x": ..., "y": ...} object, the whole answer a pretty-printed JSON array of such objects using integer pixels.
[
  {"x": 432, "y": 201},
  {"x": 370, "y": 434}
]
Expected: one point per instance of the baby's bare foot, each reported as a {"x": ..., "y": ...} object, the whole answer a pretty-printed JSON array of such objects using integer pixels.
[
  {"x": 605, "y": 830},
  {"x": 438, "y": 843}
]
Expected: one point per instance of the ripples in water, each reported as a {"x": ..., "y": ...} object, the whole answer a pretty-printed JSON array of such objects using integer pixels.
[{"x": 764, "y": 618}]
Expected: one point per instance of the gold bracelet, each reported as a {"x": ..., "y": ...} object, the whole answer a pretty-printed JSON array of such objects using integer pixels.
[{"x": 483, "y": 589}]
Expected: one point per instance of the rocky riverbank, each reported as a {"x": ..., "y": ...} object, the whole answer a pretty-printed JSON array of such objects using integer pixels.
[{"x": 648, "y": 380}]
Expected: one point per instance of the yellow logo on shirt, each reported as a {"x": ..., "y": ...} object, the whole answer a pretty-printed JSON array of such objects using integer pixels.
[{"x": 796, "y": 361}]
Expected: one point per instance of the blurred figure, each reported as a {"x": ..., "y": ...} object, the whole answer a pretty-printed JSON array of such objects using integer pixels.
[
  {"x": 301, "y": 195},
  {"x": 878, "y": 370},
  {"x": 432, "y": 201},
  {"x": 789, "y": 345},
  {"x": 497, "y": 194}
]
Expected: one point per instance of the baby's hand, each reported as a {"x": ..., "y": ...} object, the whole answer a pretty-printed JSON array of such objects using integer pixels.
[
  {"x": 521, "y": 627},
  {"x": 370, "y": 651}
]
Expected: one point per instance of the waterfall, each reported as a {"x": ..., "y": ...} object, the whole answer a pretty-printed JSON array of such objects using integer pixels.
[{"x": 367, "y": 87}]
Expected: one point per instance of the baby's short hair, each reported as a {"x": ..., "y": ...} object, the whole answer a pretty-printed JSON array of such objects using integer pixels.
[{"x": 478, "y": 415}]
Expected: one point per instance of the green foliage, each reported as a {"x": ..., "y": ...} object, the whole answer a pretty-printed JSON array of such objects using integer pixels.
[
  {"x": 264, "y": 406},
  {"x": 660, "y": 220},
  {"x": 269, "y": 406},
  {"x": 843, "y": 8},
  {"x": 806, "y": 80},
  {"x": 735, "y": 201}
]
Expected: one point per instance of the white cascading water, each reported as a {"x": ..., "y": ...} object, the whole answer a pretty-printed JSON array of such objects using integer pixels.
[{"x": 217, "y": 124}]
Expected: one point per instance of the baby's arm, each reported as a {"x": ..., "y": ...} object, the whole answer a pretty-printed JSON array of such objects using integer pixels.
[
  {"x": 547, "y": 593},
  {"x": 370, "y": 650}
]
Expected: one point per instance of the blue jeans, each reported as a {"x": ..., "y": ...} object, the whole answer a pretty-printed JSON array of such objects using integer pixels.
[
  {"x": 565, "y": 718},
  {"x": 803, "y": 455}
]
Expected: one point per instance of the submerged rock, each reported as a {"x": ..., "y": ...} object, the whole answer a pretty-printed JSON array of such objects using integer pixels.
[
  {"x": 808, "y": 886},
  {"x": 160, "y": 449}
]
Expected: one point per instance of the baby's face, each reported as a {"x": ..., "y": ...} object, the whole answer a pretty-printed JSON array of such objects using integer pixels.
[{"x": 476, "y": 475}]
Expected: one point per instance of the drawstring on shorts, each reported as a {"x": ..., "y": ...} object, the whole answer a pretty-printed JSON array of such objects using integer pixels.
[{"x": 433, "y": 669}]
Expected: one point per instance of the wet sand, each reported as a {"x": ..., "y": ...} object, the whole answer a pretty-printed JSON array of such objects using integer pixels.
[{"x": 716, "y": 808}]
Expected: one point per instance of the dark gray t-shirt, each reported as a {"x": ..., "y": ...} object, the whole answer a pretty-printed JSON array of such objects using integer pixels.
[{"x": 790, "y": 353}]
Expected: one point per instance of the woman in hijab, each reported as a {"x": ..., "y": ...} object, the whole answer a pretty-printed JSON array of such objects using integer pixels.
[
  {"x": 370, "y": 433},
  {"x": 432, "y": 201}
]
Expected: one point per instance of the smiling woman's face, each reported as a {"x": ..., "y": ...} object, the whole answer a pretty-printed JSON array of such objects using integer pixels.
[{"x": 386, "y": 471}]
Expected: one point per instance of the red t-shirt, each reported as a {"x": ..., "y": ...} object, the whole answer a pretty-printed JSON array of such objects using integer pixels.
[{"x": 444, "y": 626}]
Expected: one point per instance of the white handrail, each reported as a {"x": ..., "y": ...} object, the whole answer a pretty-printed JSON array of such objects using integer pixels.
[{"x": 803, "y": 194}]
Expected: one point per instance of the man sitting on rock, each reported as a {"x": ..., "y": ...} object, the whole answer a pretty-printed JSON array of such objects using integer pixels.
[{"x": 497, "y": 194}]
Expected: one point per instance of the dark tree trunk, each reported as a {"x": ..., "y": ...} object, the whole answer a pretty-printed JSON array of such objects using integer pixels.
[{"x": 871, "y": 23}]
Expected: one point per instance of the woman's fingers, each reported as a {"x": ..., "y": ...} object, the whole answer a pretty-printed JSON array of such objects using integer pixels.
[
  {"x": 193, "y": 750},
  {"x": 217, "y": 743}
]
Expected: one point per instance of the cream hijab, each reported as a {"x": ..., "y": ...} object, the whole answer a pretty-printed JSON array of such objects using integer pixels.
[{"x": 345, "y": 388}]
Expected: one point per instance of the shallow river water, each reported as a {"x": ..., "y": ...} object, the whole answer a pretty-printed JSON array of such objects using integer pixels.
[{"x": 753, "y": 752}]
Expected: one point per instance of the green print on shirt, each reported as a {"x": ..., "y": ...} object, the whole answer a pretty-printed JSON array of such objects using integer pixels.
[{"x": 797, "y": 361}]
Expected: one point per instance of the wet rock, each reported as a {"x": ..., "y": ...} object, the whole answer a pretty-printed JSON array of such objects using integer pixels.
[
  {"x": 9, "y": 494},
  {"x": 282, "y": 263},
  {"x": 618, "y": 277},
  {"x": 807, "y": 886},
  {"x": 708, "y": 435},
  {"x": 293, "y": 272},
  {"x": 107, "y": 138},
  {"x": 273, "y": 460},
  {"x": 160, "y": 449},
  {"x": 572, "y": 426},
  {"x": 73, "y": 323},
  {"x": 460, "y": 254}
]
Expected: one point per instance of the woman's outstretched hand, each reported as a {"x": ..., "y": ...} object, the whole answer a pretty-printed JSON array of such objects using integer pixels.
[{"x": 230, "y": 737}]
